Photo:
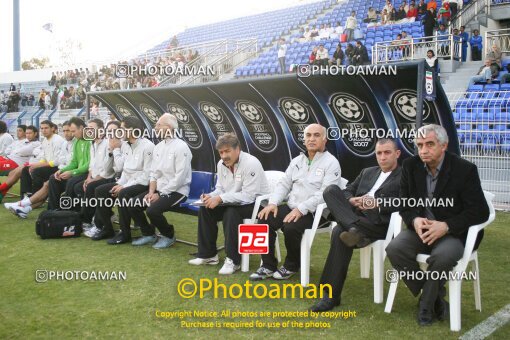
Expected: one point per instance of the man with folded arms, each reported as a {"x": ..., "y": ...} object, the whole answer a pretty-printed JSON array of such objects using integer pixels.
[
  {"x": 360, "y": 220},
  {"x": 302, "y": 186},
  {"x": 170, "y": 179},
  {"x": 241, "y": 179},
  {"x": 441, "y": 230}
]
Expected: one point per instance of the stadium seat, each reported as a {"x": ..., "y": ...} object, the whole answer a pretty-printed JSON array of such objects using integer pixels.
[
  {"x": 475, "y": 87},
  {"x": 201, "y": 182},
  {"x": 470, "y": 255},
  {"x": 273, "y": 177}
]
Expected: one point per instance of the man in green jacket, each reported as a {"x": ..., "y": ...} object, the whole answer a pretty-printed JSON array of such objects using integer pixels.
[{"x": 64, "y": 180}]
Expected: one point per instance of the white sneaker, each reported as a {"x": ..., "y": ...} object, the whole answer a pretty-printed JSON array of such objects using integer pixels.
[
  {"x": 199, "y": 261},
  {"x": 91, "y": 231},
  {"x": 22, "y": 212},
  {"x": 12, "y": 207},
  {"x": 229, "y": 267}
]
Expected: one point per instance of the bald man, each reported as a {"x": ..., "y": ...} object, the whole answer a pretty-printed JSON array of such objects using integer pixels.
[
  {"x": 169, "y": 182},
  {"x": 305, "y": 179}
]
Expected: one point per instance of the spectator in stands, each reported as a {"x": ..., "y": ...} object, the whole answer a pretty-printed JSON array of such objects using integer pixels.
[
  {"x": 360, "y": 56},
  {"x": 388, "y": 7},
  {"x": 422, "y": 7},
  {"x": 282, "y": 51},
  {"x": 401, "y": 13},
  {"x": 322, "y": 57},
  {"x": 465, "y": 38},
  {"x": 476, "y": 46},
  {"x": 42, "y": 96},
  {"x": 406, "y": 44},
  {"x": 12, "y": 88},
  {"x": 47, "y": 101},
  {"x": 443, "y": 40},
  {"x": 453, "y": 8},
  {"x": 338, "y": 56},
  {"x": 307, "y": 34},
  {"x": 485, "y": 74},
  {"x": 385, "y": 17},
  {"x": 314, "y": 33},
  {"x": 412, "y": 13},
  {"x": 313, "y": 56},
  {"x": 174, "y": 42},
  {"x": 53, "y": 79},
  {"x": 349, "y": 53},
  {"x": 456, "y": 44},
  {"x": 443, "y": 16},
  {"x": 371, "y": 15},
  {"x": 429, "y": 22},
  {"x": 495, "y": 54},
  {"x": 339, "y": 28},
  {"x": 237, "y": 195},
  {"x": 431, "y": 62},
  {"x": 323, "y": 32},
  {"x": 405, "y": 6},
  {"x": 393, "y": 15},
  {"x": 350, "y": 25},
  {"x": 432, "y": 4},
  {"x": 31, "y": 99}
]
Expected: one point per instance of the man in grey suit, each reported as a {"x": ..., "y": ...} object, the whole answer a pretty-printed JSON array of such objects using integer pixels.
[{"x": 360, "y": 220}]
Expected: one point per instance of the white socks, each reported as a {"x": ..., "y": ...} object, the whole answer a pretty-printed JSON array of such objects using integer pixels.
[{"x": 25, "y": 202}]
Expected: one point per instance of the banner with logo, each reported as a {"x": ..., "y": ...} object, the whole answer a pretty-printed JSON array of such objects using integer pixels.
[{"x": 269, "y": 115}]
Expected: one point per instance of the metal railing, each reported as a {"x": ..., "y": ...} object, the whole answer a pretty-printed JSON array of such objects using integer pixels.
[
  {"x": 226, "y": 55},
  {"x": 470, "y": 11},
  {"x": 416, "y": 48},
  {"x": 483, "y": 129},
  {"x": 501, "y": 37}
]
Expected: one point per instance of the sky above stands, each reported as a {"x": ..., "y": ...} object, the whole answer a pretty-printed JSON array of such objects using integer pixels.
[{"x": 109, "y": 29}]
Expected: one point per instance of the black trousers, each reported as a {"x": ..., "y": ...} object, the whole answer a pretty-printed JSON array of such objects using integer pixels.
[
  {"x": 293, "y": 233},
  {"x": 444, "y": 255},
  {"x": 208, "y": 220},
  {"x": 155, "y": 213},
  {"x": 339, "y": 256},
  {"x": 87, "y": 211},
  {"x": 33, "y": 182},
  {"x": 104, "y": 212},
  {"x": 475, "y": 54},
  {"x": 57, "y": 188},
  {"x": 453, "y": 9}
]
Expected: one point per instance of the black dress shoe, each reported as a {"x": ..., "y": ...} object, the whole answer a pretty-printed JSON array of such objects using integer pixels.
[
  {"x": 119, "y": 238},
  {"x": 352, "y": 237},
  {"x": 441, "y": 308},
  {"x": 424, "y": 317},
  {"x": 324, "y": 304},
  {"x": 103, "y": 234}
]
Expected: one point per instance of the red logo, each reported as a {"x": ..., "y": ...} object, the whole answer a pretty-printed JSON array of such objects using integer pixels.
[{"x": 253, "y": 239}]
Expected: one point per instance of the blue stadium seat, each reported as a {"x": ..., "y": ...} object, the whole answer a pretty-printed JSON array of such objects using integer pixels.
[
  {"x": 201, "y": 182},
  {"x": 475, "y": 87},
  {"x": 491, "y": 87}
]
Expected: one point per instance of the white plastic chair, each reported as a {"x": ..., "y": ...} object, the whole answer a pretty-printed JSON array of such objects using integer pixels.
[
  {"x": 377, "y": 249},
  {"x": 309, "y": 235},
  {"x": 273, "y": 177},
  {"x": 456, "y": 285}
]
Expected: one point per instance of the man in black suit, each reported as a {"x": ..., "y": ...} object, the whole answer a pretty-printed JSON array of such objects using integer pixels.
[
  {"x": 360, "y": 220},
  {"x": 440, "y": 230}
]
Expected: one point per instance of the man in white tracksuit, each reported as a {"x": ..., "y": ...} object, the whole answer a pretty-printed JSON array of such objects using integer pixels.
[
  {"x": 305, "y": 179},
  {"x": 170, "y": 179},
  {"x": 241, "y": 179}
]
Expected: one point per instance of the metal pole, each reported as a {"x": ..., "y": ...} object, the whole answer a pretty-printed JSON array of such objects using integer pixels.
[
  {"x": 88, "y": 107},
  {"x": 419, "y": 97},
  {"x": 16, "y": 63}
]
